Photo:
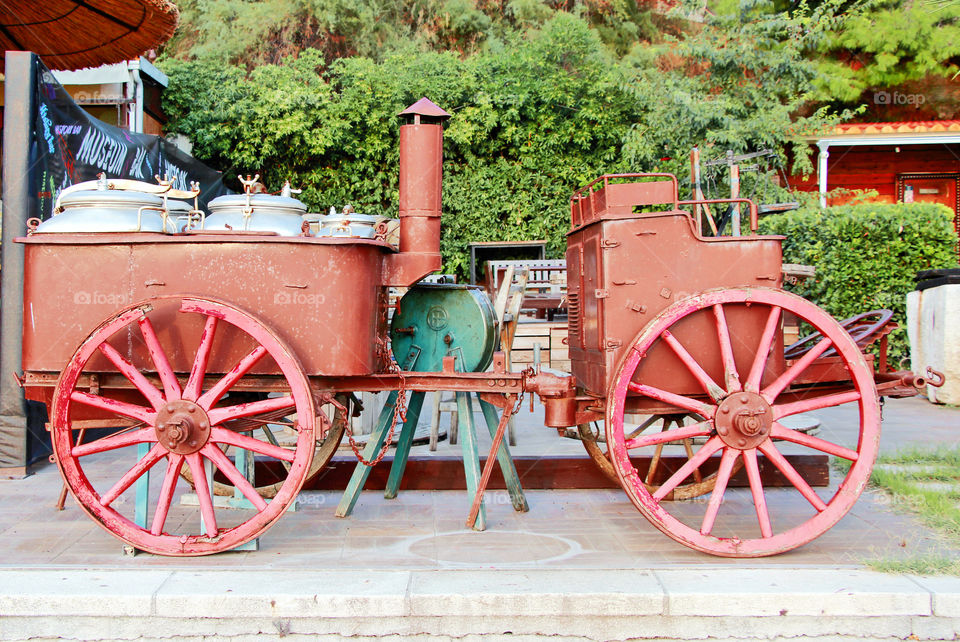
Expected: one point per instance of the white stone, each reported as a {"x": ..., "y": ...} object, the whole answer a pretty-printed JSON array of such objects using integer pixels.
[
  {"x": 79, "y": 592},
  {"x": 794, "y": 592},
  {"x": 278, "y": 594},
  {"x": 933, "y": 327},
  {"x": 946, "y": 594},
  {"x": 535, "y": 592}
]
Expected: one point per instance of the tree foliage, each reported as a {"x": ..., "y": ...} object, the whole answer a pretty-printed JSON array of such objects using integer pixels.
[{"x": 537, "y": 113}]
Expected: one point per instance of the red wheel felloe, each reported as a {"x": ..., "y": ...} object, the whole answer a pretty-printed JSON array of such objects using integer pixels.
[
  {"x": 741, "y": 400},
  {"x": 187, "y": 426}
]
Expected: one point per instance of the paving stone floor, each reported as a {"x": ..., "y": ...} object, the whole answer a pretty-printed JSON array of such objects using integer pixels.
[{"x": 574, "y": 529}]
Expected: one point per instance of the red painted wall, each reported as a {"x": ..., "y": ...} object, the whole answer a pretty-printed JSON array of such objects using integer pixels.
[{"x": 877, "y": 167}]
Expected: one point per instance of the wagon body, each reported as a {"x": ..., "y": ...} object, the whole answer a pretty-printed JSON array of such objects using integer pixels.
[
  {"x": 627, "y": 262},
  {"x": 323, "y": 297}
]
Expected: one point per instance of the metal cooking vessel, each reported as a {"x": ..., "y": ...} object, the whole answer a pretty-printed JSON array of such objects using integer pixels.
[
  {"x": 348, "y": 225},
  {"x": 268, "y": 213},
  {"x": 103, "y": 210}
]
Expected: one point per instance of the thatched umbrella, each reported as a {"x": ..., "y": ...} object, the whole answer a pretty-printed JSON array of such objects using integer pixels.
[{"x": 71, "y": 34}]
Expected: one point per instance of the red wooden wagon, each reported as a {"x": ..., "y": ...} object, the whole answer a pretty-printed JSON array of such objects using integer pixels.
[{"x": 196, "y": 346}]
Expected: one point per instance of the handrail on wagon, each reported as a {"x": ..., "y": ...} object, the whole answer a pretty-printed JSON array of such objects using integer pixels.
[{"x": 588, "y": 193}]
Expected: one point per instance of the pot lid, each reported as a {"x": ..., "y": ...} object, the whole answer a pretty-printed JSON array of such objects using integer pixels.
[{"x": 110, "y": 198}]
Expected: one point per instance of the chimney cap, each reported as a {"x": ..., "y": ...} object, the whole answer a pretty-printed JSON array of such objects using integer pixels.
[{"x": 424, "y": 107}]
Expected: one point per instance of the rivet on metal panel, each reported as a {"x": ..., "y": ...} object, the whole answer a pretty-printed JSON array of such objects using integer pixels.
[
  {"x": 601, "y": 294},
  {"x": 665, "y": 293},
  {"x": 625, "y": 282}
]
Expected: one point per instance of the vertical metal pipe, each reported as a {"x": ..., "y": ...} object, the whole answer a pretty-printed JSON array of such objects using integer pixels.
[
  {"x": 19, "y": 106},
  {"x": 735, "y": 193}
]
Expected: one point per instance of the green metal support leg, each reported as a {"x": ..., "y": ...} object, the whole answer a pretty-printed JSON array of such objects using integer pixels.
[
  {"x": 361, "y": 472},
  {"x": 414, "y": 407},
  {"x": 471, "y": 454},
  {"x": 510, "y": 476}
]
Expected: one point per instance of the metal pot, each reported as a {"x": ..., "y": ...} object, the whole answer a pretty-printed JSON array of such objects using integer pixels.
[
  {"x": 348, "y": 225},
  {"x": 105, "y": 210},
  {"x": 268, "y": 213}
]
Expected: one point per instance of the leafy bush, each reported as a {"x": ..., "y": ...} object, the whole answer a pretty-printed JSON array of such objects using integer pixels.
[{"x": 866, "y": 255}]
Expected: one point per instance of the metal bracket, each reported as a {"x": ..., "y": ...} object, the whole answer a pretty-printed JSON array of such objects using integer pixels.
[
  {"x": 601, "y": 294},
  {"x": 609, "y": 244}
]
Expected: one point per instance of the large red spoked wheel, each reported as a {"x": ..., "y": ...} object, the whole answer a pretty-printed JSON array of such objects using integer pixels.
[
  {"x": 740, "y": 413},
  {"x": 186, "y": 421}
]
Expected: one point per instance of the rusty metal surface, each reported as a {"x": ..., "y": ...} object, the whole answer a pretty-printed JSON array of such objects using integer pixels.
[
  {"x": 624, "y": 268},
  {"x": 321, "y": 296}
]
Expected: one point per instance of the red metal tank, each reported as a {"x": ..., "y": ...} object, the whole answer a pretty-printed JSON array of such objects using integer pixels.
[{"x": 325, "y": 297}]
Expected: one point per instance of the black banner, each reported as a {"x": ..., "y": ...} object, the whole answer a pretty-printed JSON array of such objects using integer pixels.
[{"x": 71, "y": 146}]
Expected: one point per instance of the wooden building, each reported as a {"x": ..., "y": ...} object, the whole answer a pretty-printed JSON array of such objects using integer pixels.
[{"x": 901, "y": 161}]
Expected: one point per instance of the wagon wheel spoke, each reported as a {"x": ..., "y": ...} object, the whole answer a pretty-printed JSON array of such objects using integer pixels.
[
  {"x": 816, "y": 403},
  {"x": 756, "y": 490},
  {"x": 792, "y": 475},
  {"x": 245, "y": 365},
  {"x": 127, "y": 369},
  {"x": 712, "y": 446},
  {"x": 680, "y": 401},
  {"x": 226, "y": 413},
  {"x": 688, "y": 447},
  {"x": 680, "y": 433},
  {"x": 203, "y": 494},
  {"x": 706, "y": 381},
  {"x": 730, "y": 375},
  {"x": 268, "y": 433},
  {"x": 156, "y": 453},
  {"x": 141, "y": 436},
  {"x": 788, "y": 434},
  {"x": 223, "y": 436},
  {"x": 171, "y": 387},
  {"x": 654, "y": 463},
  {"x": 763, "y": 350},
  {"x": 115, "y": 406},
  {"x": 235, "y": 476},
  {"x": 772, "y": 391},
  {"x": 194, "y": 384},
  {"x": 174, "y": 465},
  {"x": 723, "y": 477},
  {"x": 649, "y": 421}
]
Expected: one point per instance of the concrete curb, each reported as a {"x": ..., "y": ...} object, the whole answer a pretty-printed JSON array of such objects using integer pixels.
[{"x": 563, "y": 604}]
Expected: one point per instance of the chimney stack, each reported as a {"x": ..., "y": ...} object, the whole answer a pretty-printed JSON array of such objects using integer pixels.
[{"x": 421, "y": 179}]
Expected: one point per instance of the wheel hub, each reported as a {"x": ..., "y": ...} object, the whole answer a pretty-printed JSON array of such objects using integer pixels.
[
  {"x": 743, "y": 420},
  {"x": 182, "y": 427}
]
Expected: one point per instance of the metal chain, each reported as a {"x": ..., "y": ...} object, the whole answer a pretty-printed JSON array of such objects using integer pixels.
[{"x": 399, "y": 412}]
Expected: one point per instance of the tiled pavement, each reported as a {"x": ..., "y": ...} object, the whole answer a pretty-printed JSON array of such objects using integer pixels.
[{"x": 582, "y": 564}]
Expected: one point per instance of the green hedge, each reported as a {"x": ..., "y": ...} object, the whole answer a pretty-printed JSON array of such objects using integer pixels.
[{"x": 866, "y": 255}]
